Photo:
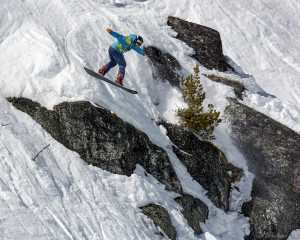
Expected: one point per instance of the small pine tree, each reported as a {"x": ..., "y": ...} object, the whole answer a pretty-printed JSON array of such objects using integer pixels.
[{"x": 194, "y": 117}]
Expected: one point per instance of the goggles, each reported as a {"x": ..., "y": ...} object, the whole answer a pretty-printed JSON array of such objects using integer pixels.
[{"x": 138, "y": 43}]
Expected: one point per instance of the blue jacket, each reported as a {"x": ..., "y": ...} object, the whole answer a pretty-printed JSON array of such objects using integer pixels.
[{"x": 125, "y": 44}]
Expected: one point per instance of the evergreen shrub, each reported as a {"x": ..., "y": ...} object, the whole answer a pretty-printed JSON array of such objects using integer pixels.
[{"x": 194, "y": 117}]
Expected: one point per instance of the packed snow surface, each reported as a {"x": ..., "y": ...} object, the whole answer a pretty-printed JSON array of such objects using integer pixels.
[{"x": 44, "y": 46}]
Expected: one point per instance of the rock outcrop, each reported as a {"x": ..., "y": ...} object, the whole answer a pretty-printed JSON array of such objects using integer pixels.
[
  {"x": 205, "y": 41},
  {"x": 102, "y": 139},
  {"x": 164, "y": 65},
  {"x": 272, "y": 152},
  {"x": 205, "y": 163}
]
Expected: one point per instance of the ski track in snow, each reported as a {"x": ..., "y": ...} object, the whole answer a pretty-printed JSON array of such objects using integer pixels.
[{"x": 44, "y": 46}]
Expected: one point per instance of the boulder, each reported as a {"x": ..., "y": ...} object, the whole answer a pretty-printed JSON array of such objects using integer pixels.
[
  {"x": 164, "y": 65},
  {"x": 205, "y": 41},
  {"x": 161, "y": 218}
]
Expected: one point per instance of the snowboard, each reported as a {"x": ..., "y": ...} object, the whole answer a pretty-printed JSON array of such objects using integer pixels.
[{"x": 94, "y": 74}]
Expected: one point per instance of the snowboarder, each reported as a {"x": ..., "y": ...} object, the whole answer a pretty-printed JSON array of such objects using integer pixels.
[{"x": 116, "y": 51}]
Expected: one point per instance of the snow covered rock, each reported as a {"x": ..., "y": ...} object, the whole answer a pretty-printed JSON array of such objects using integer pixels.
[
  {"x": 102, "y": 139},
  {"x": 205, "y": 41},
  {"x": 272, "y": 151}
]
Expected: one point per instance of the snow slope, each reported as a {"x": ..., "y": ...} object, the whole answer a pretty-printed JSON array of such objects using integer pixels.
[{"x": 44, "y": 46}]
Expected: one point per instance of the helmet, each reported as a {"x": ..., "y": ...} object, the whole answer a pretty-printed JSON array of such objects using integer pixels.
[{"x": 138, "y": 41}]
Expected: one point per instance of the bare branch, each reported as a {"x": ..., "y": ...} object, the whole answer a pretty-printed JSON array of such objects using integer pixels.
[{"x": 40, "y": 152}]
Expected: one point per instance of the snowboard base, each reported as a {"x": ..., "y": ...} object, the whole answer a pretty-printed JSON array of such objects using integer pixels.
[{"x": 96, "y": 75}]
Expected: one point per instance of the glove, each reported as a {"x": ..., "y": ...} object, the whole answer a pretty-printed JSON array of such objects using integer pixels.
[
  {"x": 145, "y": 54},
  {"x": 108, "y": 30}
]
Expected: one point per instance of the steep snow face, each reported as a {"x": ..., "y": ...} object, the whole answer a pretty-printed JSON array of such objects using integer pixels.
[{"x": 44, "y": 46}]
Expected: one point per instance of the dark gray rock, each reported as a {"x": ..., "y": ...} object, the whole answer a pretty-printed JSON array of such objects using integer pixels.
[
  {"x": 102, "y": 139},
  {"x": 205, "y": 41},
  {"x": 161, "y": 218},
  {"x": 238, "y": 87},
  {"x": 272, "y": 152},
  {"x": 204, "y": 162},
  {"x": 164, "y": 65},
  {"x": 194, "y": 211}
]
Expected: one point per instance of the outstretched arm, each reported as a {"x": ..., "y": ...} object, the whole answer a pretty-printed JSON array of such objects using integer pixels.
[
  {"x": 115, "y": 34},
  {"x": 139, "y": 50}
]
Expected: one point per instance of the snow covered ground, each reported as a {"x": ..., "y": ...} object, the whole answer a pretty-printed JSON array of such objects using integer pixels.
[{"x": 44, "y": 46}]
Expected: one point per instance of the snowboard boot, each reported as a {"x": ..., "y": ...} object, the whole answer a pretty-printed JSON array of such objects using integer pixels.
[
  {"x": 119, "y": 79},
  {"x": 102, "y": 71}
]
